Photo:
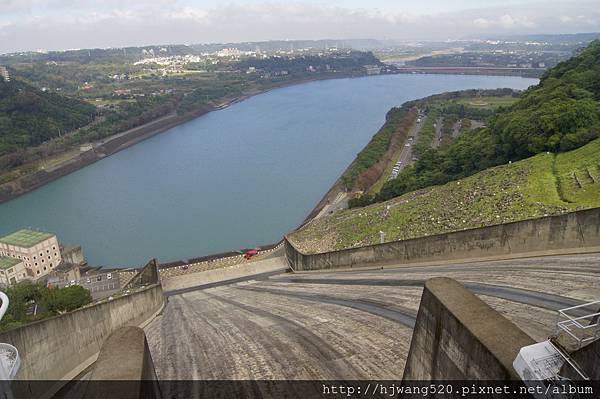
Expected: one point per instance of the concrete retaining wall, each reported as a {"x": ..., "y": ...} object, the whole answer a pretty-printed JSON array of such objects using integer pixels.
[
  {"x": 575, "y": 232},
  {"x": 588, "y": 359},
  {"x": 457, "y": 336},
  {"x": 125, "y": 357},
  {"x": 222, "y": 274},
  {"x": 61, "y": 347}
]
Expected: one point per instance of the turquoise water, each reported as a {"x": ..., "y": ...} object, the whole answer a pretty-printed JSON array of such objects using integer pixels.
[{"x": 234, "y": 178}]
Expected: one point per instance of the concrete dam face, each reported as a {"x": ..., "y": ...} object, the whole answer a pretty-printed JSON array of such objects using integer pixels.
[{"x": 239, "y": 319}]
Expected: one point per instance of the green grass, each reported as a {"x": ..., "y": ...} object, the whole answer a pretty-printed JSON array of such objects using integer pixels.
[
  {"x": 488, "y": 102},
  {"x": 584, "y": 161},
  {"x": 506, "y": 193},
  {"x": 6, "y": 262},
  {"x": 25, "y": 238},
  {"x": 427, "y": 133}
]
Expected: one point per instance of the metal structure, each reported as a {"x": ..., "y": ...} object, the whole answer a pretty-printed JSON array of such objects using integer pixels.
[
  {"x": 539, "y": 367},
  {"x": 580, "y": 323},
  {"x": 541, "y": 363}
]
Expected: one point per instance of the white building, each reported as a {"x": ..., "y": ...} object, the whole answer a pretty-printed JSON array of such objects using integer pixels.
[
  {"x": 372, "y": 69},
  {"x": 38, "y": 250},
  {"x": 4, "y": 74},
  {"x": 12, "y": 271}
]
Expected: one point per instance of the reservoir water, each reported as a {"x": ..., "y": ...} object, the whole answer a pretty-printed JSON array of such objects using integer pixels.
[{"x": 234, "y": 178}]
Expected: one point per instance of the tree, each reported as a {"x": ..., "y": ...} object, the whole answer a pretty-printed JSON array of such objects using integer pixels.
[
  {"x": 561, "y": 113},
  {"x": 61, "y": 300}
]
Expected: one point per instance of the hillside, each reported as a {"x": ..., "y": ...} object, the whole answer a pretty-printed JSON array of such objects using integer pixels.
[
  {"x": 561, "y": 113},
  {"x": 29, "y": 116},
  {"x": 546, "y": 184}
]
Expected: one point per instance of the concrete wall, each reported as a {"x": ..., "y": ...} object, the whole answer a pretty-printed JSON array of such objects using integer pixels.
[
  {"x": 575, "y": 232},
  {"x": 588, "y": 359},
  {"x": 61, "y": 347},
  {"x": 125, "y": 357},
  {"x": 222, "y": 274},
  {"x": 146, "y": 276},
  {"x": 457, "y": 336}
]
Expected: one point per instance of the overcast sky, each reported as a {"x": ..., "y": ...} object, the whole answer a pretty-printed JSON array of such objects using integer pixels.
[{"x": 66, "y": 24}]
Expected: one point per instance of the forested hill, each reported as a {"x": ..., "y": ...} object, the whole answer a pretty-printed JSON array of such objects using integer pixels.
[
  {"x": 559, "y": 114},
  {"x": 29, "y": 116}
]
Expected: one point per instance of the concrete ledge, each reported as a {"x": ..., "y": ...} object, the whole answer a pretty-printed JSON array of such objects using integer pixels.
[
  {"x": 457, "y": 336},
  {"x": 57, "y": 348},
  {"x": 569, "y": 233},
  {"x": 393, "y": 264},
  {"x": 222, "y": 274},
  {"x": 125, "y": 357}
]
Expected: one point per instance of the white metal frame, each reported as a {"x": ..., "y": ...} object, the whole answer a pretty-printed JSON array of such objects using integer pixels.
[{"x": 571, "y": 323}]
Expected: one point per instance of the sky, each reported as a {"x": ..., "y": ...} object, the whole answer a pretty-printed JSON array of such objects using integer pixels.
[{"x": 67, "y": 24}]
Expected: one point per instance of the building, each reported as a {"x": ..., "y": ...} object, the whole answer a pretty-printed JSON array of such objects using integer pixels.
[
  {"x": 64, "y": 273},
  {"x": 12, "y": 271},
  {"x": 372, "y": 69},
  {"x": 4, "y": 74},
  {"x": 39, "y": 251},
  {"x": 72, "y": 254}
]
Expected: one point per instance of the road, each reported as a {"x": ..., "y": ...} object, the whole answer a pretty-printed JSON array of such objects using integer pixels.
[
  {"x": 345, "y": 325},
  {"x": 405, "y": 156},
  {"x": 339, "y": 202}
]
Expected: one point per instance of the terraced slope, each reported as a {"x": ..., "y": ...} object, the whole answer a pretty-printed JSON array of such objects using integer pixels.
[{"x": 546, "y": 184}]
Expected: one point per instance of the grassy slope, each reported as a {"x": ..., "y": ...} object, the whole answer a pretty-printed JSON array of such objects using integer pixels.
[{"x": 534, "y": 187}]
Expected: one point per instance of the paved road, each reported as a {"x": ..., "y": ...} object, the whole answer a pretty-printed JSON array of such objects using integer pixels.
[
  {"x": 345, "y": 325},
  {"x": 339, "y": 202},
  {"x": 405, "y": 156}
]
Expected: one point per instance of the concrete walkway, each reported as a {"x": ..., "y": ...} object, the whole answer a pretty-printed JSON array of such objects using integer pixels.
[{"x": 348, "y": 325}]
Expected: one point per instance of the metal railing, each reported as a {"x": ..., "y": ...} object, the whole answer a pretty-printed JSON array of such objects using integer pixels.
[{"x": 581, "y": 323}]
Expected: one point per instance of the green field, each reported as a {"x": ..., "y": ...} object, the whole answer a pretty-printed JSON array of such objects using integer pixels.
[
  {"x": 534, "y": 187},
  {"x": 488, "y": 102}
]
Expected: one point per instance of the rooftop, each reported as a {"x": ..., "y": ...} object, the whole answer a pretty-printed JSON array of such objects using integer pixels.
[
  {"x": 25, "y": 238},
  {"x": 6, "y": 262}
]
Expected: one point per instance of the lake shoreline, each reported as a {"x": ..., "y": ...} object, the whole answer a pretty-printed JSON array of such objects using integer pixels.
[
  {"x": 120, "y": 141},
  {"x": 122, "y": 200}
]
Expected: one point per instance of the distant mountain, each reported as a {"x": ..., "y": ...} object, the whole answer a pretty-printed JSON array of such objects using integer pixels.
[
  {"x": 562, "y": 38},
  {"x": 135, "y": 53},
  {"x": 29, "y": 117}
]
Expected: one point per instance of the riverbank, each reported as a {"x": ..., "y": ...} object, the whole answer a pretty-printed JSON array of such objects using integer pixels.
[
  {"x": 168, "y": 195},
  {"x": 120, "y": 141}
]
